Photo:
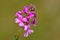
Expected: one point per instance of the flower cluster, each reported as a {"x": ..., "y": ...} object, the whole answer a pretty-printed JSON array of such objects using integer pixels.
[{"x": 26, "y": 21}]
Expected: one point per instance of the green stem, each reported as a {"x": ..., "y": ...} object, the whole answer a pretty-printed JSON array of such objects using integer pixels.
[{"x": 16, "y": 37}]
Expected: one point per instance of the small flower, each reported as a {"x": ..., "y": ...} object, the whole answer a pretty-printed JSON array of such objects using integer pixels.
[
  {"x": 17, "y": 20},
  {"x": 26, "y": 8},
  {"x": 26, "y": 34},
  {"x": 24, "y": 21},
  {"x": 30, "y": 15},
  {"x": 19, "y": 16},
  {"x": 26, "y": 27},
  {"x": 29, "y": 31},
  {"x": 34, "y": 21},
  {"x": 21, "y": 24}
]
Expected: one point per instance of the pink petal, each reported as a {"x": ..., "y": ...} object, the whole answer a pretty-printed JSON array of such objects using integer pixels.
[
  {"x": 30, "y": 31},
  {"x": 17, "y": 20},
  {"x": 21, "y": 24},
  {"x": 25, "y": 8},
  {"x": 17, "y": 14},
  {"x": 24, "y": 19},
  {"x": 30, "y": 15},
  {"x": 20, "y": 12},
  {"x": 34, "y": 21},
  {"x": 20, "y": 16},
  {"x": 26, "y": 34},
  {"x": 26, "y": 27}
]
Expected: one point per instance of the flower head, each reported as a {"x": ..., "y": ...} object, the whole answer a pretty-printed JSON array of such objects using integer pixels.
[{"x": 24, "y": 21}]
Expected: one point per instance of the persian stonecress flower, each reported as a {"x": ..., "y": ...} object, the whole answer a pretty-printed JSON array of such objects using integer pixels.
[{"x": 25, "y": 21}]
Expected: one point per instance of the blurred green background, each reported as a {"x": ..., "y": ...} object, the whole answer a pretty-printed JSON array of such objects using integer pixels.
[{"x": 48, "y": 19}]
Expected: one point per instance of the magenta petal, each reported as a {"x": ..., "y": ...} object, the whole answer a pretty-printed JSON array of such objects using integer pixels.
[
  {"x": 30, "y": 14},
  {"x": 30, "y": 31},
  {"x": 24, "y": 19},
  {"x": 25, "y": 9},
  {"x": 21, "y": 24},
  {"x": 34, "y": 21},
  {"x": 26, "y": 34},
  {"x": 19, "y": 16},
  {"x": 34, "y": 14},
  {"x": 20, "y": 12}
]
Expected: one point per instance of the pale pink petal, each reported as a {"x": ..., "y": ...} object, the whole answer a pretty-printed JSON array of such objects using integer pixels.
[
  {"x": 30, "y": 31},
  {"x": 17, "y": 20},
  {"x": 21, "y": 24},
  {"x": 28, "y": 25},
  {"x": 25, "y": 27},
  {"x": 19, "y": 16},
  {"x": 20, "y": 12},
  {"x": 26, "y": 34}
]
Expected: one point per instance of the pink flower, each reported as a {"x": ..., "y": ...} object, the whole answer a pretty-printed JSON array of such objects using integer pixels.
[
  {"x": 19, "y": 15},
  {"x": 29, "y": 31},
  {"x": 17, "y": 20},
  {"x": 26, "y": 27},
  {"x": 34, "y": 22},
  {"x": 24, "y": 21},
  {"x": 21, "y": 24},
  {"x": 26, "y": 8}
]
